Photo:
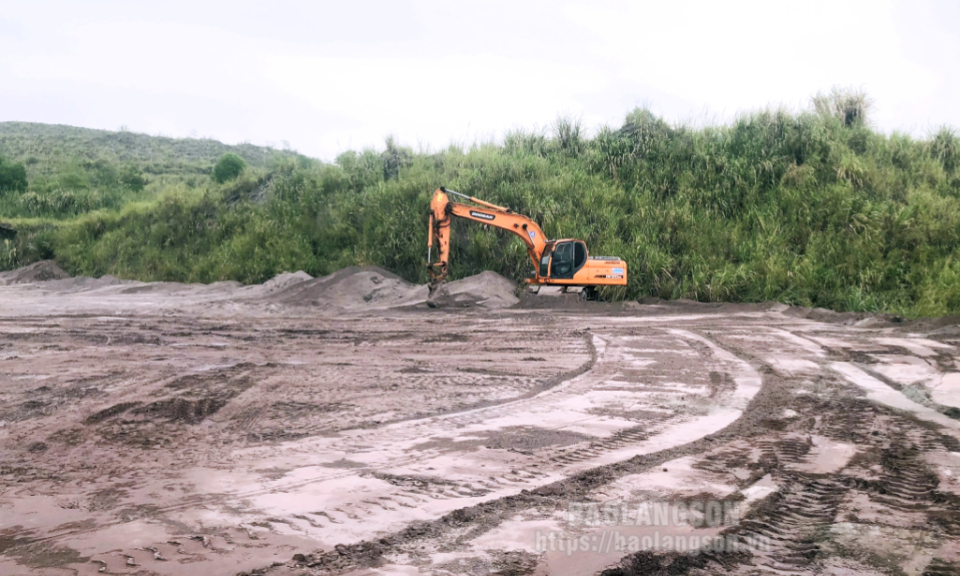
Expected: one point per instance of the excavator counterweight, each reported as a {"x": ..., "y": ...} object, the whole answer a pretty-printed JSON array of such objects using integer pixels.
[{"x": 565, "y": 263}]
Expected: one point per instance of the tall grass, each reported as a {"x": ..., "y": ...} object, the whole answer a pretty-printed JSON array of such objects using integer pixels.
[{"x": 811, "y": 208}]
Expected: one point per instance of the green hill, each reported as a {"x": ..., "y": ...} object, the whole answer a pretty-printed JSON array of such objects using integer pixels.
[
  {"x": 44, "y": 147},
  {"x": 812, "y": 208},
  {"x": 74, "y": 170}
]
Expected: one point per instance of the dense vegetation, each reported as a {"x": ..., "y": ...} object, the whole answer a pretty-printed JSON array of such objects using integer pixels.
[
  {"x": 73, "y": 171},
  {"x": 810, "y": 208}
]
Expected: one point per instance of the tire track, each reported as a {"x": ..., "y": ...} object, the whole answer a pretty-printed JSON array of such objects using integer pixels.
[{"x": 530, "y": 471}]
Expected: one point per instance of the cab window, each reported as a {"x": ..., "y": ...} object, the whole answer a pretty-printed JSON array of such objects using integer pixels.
[
  {"x": 561, "y": 266},
  {"x": 579, "y": 255}
]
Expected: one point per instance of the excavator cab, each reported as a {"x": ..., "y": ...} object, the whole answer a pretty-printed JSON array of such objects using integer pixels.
[{"x": 562, "y": 259}]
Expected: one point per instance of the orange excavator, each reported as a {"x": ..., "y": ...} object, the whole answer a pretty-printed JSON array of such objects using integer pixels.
[{"x": 563, "y": 264}]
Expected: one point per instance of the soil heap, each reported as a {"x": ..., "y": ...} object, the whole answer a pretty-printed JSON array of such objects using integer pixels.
[
  {"x": 487, "y": 289},
  {"x": 353, "y": 288},
  {"x": 41, "y": 271}
]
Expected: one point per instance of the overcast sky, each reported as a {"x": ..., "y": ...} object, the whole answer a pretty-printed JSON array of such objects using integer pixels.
[{"x": 325, "y": 77}]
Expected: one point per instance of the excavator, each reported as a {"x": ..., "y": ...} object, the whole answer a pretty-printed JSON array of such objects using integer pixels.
[{"x": 563, "y": 265}]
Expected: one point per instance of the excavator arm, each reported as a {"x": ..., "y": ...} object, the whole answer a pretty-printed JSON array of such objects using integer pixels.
[{"x": 442, "y": 212}]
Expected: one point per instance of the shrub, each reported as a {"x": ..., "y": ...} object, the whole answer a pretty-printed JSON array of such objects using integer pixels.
[
  {"x": 13, "y": 176},
  {"x": 395, "y": 158},
  {"x": 133, "y": 178},
  {"x": 848, "y": 105},
  {"x": 945, "y": 148},
  {"x": 229, "y": 167}
]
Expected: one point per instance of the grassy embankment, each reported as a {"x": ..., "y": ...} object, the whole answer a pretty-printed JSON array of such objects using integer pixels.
[{"x": 812, "y": 208}]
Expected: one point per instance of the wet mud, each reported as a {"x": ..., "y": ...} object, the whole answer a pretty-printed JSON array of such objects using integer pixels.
[{"x": 226, "y": 429}]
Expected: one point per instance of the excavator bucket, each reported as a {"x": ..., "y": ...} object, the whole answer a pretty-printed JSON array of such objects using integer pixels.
[{"x": 437, "y": 290}]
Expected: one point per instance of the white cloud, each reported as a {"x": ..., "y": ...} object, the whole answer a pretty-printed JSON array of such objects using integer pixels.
[{"x": 330, "y": 76}]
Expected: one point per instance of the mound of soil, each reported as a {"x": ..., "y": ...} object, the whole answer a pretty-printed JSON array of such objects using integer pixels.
[
  {"x": 81, "y": 283},
  {"x": 189, "y": 410},
  {"x": 947, "y": 325},
  {"x": 862, "y": 319},
  {"x": 41, "y": 271},
  {"x": 487, "y": 289},
  {"x": 213, "y": 291},
  {"x": 354, "y": 288},
  {"x": 285, "y": 280}
]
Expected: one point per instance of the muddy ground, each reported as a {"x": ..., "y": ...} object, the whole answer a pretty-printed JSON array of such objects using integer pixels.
[{"x": 338, "y": 425}]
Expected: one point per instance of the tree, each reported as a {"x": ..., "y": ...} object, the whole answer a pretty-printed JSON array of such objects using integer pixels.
[
  {"x": 13, "y": 176},
  {"x": 229, "y": 167},
  {"x": 133, "y": 178}
]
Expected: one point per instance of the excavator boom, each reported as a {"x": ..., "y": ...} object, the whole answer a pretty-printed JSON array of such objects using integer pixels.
[
  {"x": 561, "y": 262},
  {"x": 443, "y": 210}
]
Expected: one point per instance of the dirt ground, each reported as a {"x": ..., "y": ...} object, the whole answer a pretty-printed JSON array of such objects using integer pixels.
[{"x": 339, "y": 425}]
